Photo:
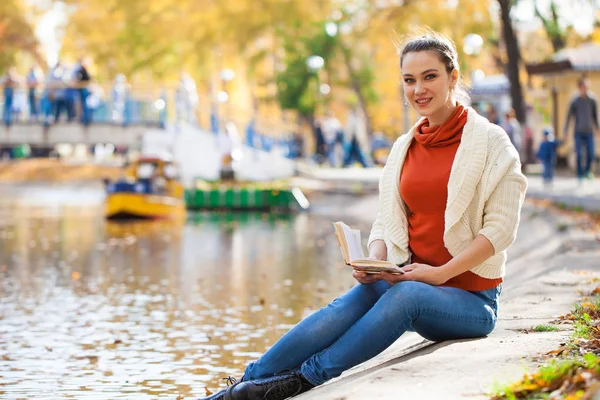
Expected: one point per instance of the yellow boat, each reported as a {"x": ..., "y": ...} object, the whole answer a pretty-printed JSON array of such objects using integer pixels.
[{"x": 149, "y": 190}]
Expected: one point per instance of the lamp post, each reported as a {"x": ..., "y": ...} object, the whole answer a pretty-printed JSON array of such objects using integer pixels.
[
  {"x": 227, "y": 75},
  {"x": 314, "y": 64}
]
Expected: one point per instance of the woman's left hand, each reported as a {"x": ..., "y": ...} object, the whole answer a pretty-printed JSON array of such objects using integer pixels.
[{"x": 417, "y": 272}]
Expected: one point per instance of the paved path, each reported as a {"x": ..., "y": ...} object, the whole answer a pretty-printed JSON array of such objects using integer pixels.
[
  {"x": 565, "y": 190},
  {"x": 544, "y": 278}
]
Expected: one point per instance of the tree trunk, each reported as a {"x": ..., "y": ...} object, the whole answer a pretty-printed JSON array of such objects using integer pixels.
[
  {"x": 514, "y": 60},
  {"x": 354, "y": 82}
]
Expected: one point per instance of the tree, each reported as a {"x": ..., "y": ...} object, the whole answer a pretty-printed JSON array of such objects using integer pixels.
[
  {"x": 16, "y": 34},
  {"x": 551, "y": 26},
  {"x": 514, "y": 59}
]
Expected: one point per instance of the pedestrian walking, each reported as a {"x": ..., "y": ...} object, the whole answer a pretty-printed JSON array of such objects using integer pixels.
[
  {"x": 584, "y": 110},
  {"x": 449, "y": 205},
  {"x": 355, "y": 133},
  {"x": 332, "y": 134},
  {"x": 547, "y": 155}
]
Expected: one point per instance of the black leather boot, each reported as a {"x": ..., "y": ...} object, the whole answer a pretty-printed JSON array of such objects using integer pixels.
[
  {"x": 278, "y": 387},
  {"x": 225, "y": 394}
]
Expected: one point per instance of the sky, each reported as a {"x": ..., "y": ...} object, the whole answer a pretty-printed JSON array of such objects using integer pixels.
[
  {"x": 48, "y": 28},
  {"x": 580, "y": 11}
]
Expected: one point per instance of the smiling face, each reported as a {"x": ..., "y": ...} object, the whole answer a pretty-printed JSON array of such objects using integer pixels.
[{"x": 428, "y": 85}]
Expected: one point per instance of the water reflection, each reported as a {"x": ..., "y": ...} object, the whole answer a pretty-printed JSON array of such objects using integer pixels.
[{"x": 98, "y": 310}]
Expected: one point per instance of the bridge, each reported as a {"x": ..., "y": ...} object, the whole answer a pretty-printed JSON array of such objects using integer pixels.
[{"x": 36, "y": 134}]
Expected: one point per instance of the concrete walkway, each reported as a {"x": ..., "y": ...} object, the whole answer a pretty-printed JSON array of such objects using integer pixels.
[
  {"x": 544, "y": 278},
  {"x": 567, "y": 191}
]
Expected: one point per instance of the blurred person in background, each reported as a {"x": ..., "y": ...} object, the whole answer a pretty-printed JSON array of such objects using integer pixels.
[
  {"x": 10, "y": 82},
  {"x": 332, "y": 133},
  {"x": 513, "y": 129},
  {"x": 33, "y": 80},
  {"x": 82, "y": 81},
  {"x": 57, "y": 91},
  {"x": 320, "y": 144},
  {"x": 584, "y": 110},
  {"x": 120, "y": 100},
  {"x": 380, "y": 147},
  {"x": 547, "y": 155},
  {"x": 355, "y": 135},
  {"x": 492, "y": 115}
]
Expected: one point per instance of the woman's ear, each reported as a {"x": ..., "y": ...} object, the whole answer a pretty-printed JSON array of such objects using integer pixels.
[{"x": 454, "y": 77}]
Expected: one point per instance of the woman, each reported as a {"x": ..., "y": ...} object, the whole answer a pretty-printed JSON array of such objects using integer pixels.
[{"x": 449, "y": 205}]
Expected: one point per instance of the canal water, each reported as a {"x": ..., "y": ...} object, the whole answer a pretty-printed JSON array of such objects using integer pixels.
[{"x": 91, "y": 309}]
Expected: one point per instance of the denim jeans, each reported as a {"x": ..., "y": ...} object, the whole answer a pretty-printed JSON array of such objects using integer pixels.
[
  {"x": 33, "y": 108},
  {"x": 353, "y": 152},
  {"x": 8, "y": 104},
  {"x": 86, "y": 117},
  {"x": 584, "y": 141},
  {"x": 548, "y": 170},
  {"x": 368, "y": 319}
]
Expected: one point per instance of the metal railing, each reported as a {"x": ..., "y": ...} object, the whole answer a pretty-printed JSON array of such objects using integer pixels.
[{"x": 128, "y": 105}]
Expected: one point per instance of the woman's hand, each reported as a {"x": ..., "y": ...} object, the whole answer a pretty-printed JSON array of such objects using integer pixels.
[
  {"x": 364, "y": 278},
  {"x": 417, "y": 272}
]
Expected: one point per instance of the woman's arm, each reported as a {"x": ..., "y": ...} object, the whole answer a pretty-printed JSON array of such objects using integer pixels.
[{"x": 479, "y": 250}]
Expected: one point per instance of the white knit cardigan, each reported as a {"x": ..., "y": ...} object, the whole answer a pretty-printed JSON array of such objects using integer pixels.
[{"x": 486, "y": 190}]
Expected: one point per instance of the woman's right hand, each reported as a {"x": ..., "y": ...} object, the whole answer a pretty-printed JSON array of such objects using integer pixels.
[{"x": 364, "y": 278}]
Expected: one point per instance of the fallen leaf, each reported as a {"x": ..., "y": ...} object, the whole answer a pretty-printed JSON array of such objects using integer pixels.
[
  {"x": 75, "y": 275},
  {"x": 208, "y": 392}
]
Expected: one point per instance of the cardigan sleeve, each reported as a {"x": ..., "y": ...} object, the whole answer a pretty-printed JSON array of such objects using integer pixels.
[
  {"x": 378, "y": 229},
  {"x": 502, "y": 208}
]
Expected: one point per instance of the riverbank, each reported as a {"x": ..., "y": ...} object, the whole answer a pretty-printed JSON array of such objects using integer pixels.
[{"x": 54, "y": 170}]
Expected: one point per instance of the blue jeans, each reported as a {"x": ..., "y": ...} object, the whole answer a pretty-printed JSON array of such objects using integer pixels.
[
  {"x": 548, "y": 170},
  {"x": 86, "y": 117},
  {"x": 368, "y": 319},
  {"x": 353, "y": 152},
  {"x": 584, "y": 141},
  {"x": 33, "y": 109},
  {"x": 8, "y": 104},
  {"x": 339, "y": 138}
]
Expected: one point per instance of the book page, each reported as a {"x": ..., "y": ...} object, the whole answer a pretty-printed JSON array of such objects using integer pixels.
[
  {"x": 339, "y": 233},
  {"x": 354, "y": 249},
  {"x": 361, "y": 253}
]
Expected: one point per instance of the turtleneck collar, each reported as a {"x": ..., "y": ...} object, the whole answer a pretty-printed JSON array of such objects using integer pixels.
[{"x": 443, "y": 135}]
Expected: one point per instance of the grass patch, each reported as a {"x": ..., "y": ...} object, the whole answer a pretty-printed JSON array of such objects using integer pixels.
[
  {"x": 574, "y": 372},
  {"x": 562, "y": 227},
  {"x": 545, "y": 328}
]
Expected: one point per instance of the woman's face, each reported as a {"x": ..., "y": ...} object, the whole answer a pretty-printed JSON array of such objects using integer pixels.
[{"x": 427, "y": 84}]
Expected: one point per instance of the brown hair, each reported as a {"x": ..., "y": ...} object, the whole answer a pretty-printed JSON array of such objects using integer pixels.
[{"x": 445, "y": 50}]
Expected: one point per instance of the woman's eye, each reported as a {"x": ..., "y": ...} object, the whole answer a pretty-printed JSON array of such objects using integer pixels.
[
  {"x": 409, "y": 80},
  {"x": 430, "y": 76}
]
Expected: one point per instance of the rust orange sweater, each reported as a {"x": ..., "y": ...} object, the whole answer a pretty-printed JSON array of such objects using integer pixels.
[{"x": 424, "y": 189}]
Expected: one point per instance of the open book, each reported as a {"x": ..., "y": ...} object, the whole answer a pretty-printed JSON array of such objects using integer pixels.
[{"x": 352, "y": 251}]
